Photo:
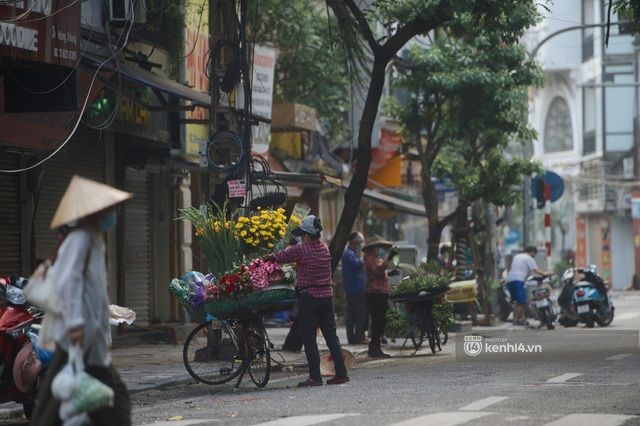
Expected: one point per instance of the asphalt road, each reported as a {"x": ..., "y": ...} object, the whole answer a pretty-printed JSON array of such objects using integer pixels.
[{"x": 556, "y": 377}]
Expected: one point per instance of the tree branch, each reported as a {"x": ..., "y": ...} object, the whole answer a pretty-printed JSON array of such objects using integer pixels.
[{"x": 363, "y": 25}]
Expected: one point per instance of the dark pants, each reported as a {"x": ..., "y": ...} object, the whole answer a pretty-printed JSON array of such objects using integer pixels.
[
  {"x": 356, "y": 317},
  {"x": 317, "y": 312},
  {"x": 378, "y": 304},
  {"x": 46, "y": 409}
]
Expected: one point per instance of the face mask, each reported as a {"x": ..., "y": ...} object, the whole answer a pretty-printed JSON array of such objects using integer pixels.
[
  {"x": 359, "y": 247},
  {"x": 108, "y": 222},
  {"x": 298, "y": 239},
  {"x": 381, "y": 252}
]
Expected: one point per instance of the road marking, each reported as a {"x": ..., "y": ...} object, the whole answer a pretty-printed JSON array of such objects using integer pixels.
[
  {"x": 563, "y": 378},
  {"x": 452, "y": 418},
  {"x": 618, "y": 357},
  {"x": 483, "y": 403},
  {"x": 306, "y": 420},
  {"x": 591, "y": 420},
  {"x": 182, "y": 422},
  {"x": 627, "y": 316}
]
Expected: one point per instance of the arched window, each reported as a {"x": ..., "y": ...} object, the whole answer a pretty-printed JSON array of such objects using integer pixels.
[{"x": 558, "y": 133}]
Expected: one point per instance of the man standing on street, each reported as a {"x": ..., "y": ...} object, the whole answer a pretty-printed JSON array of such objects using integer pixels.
[
  {"x": 354, "y": 287},
  {"x": 522, "y": 266}
]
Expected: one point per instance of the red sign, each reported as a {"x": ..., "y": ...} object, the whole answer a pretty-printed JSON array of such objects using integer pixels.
[
  {"x": 41, "y": 31},
  {"x": 581, "y": 242},
  {"x": 605, "y": 248},
  {"x": 390, "y": 143}
]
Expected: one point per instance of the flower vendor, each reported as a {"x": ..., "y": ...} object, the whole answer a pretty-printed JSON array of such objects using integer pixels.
[{"x": 313, "y": 262}]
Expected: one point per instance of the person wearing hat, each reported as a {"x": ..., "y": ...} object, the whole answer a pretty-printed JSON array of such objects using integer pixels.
[
  {"x": 315, "y": 303},
  {"x": 354, "y": 288},
  {"x": 81, "y": 278},
  {"x": 376, "y": 261}
]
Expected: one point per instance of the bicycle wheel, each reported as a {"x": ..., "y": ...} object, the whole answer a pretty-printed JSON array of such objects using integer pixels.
[
  {"x": 443, "y": 329},
  {"x": 258, "y": 354},
  {"x": 430, "y": 330},
  {"x": 417, "y": 332},
  {"x": 211, "y": 354}
]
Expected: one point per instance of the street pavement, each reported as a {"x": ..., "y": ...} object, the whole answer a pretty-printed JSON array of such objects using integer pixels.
[{"x": 574, "y": 376}]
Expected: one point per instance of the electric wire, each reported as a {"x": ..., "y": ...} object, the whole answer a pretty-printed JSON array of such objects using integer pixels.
[{"x": 42, "y": 18}]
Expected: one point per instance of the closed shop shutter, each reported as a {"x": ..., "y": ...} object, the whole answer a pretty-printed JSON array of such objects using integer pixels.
[
  {"x": 9, "y": 216},
  {"x": 83, "y": 155},
  {"x": 136, "y": 245}
]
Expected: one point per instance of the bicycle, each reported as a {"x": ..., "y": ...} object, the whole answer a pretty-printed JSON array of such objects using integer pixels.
[{"x": 218, "y": 351}]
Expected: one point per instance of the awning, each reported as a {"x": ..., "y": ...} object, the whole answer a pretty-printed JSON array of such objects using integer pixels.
[
  {"x": 156, "y": 82},
  {"x": 385, "y": 200}
]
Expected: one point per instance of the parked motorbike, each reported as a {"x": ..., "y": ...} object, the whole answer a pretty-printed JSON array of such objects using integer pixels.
[
  {"x": 541, "y": 301},
  {"x": 590, "y": 299},
  {"x": 568, "y": 316},
  {"x": 21, "y": 362}
]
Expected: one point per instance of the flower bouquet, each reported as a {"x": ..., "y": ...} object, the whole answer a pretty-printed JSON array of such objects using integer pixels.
[{"x": 232, "y": 247}]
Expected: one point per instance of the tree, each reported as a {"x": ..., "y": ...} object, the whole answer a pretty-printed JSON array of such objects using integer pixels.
[
  {"x": 311, "y": 66},
  {"x": 403, "y": 20},
  {"x": 468, "y": 101}
]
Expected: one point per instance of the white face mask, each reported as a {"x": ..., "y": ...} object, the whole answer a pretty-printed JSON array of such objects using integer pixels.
[
  {"x": 381, "y": 252},
  {"x": 299, "y": 239}
]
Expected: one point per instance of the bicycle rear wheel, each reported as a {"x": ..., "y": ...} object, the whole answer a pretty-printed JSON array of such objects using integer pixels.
[
  {"x": 258, "y": 354},
  {"x": 212, "y": 354}
]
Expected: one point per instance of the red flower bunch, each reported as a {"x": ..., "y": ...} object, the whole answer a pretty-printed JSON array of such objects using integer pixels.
[{"x": 235, "y": 283}]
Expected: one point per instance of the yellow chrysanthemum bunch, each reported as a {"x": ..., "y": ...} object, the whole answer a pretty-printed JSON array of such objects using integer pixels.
[{"x": 261, "y": 230}]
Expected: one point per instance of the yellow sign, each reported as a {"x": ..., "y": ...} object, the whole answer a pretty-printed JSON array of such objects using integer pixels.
[{"x": 196, "y": 48}]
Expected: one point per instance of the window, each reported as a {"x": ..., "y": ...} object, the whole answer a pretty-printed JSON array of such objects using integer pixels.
[
  {"x": 558, "y": 134},
  {"x": 620, "y": 42},
  {"x": 618, "y": 107},
  {"x": 588, "y": 17},
  {"x": 588, "y": 119}
]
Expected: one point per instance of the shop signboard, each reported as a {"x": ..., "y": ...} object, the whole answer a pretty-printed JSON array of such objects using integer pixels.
[
  {"x": 390, "y": 144},
  {"x": 196, "y": 50},
  {"x": 41, "y": 31},
  {"x": 605, "y": 248},
  {"x": 581, "y": 242},
  {"x": 635, "y": 214}
]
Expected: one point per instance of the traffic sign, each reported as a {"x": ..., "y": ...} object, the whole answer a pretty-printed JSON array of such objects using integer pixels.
[{"x": 551, "y": 179}]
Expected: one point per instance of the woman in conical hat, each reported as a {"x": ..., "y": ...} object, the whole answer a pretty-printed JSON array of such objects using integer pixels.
[{"x": 80, "y": 274}]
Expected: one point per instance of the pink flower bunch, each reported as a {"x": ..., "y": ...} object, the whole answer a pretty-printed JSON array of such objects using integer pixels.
[{"x": 262, "y": 273}]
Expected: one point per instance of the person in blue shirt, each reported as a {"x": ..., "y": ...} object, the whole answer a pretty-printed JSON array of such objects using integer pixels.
[{"x": 354, "y": 286}]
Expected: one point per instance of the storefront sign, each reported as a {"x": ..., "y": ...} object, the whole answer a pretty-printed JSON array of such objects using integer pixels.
[
  {"x": 581, "y": 242},
  {"x": 196, "y": 45},
  {"x": 264, "y": 66},
  {"x": 237, "y": 188},
  {"x": 41, "y": 31},
  {"x": 390, "y": 143},
  {"x": 635, "y": 212}
]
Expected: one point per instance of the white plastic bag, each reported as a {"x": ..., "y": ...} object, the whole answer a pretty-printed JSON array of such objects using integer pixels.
[
  {"x": 79, "y": 391},
  {"x": 41, "y": 290}
]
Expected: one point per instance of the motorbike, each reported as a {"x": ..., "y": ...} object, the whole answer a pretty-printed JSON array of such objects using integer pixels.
[
  {"x": 568, "y": 316},
  {"x": 21, "y": 361},
  {"x": 590, "y": 299},
  {"x": 541, "y": 300}
]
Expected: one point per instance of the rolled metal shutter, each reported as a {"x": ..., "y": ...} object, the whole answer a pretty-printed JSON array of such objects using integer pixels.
[
  {"x": 83, "y": 155},
  {"x": 10, "y": 254},
  {"x": 136, "y": 245}
]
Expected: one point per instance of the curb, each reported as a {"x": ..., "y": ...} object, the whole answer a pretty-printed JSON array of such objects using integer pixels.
[{"x": 11, "y": 413}]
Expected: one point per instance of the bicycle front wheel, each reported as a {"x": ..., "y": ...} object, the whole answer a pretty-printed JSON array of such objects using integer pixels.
[
  {"x": 211, "y": 353},
  {"x": 259, "y": 355}
]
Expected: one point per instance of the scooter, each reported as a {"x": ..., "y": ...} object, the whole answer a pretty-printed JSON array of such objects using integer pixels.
[
  {"x": 541, "y": 300},
  {"x": 20, "y": 361},
  {"x": 590, "y": 299},
  {"x": 568, "y": 315}
]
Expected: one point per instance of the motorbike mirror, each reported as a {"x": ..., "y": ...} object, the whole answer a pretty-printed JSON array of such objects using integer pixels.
[{"x": 14, "y": 295}]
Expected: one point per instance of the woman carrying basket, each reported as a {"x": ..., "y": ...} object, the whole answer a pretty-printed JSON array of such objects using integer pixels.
[{"x": 315, "y": 309}]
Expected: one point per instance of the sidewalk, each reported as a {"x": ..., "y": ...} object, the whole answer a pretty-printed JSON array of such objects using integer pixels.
[{"x": 156, "y": 365}]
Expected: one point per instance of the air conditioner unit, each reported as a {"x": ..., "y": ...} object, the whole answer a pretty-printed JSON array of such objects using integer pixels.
[{"x": 121, "y": 11}]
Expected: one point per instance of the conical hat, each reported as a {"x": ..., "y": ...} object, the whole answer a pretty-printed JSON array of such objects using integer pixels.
[
  {"x": 377, "y": 240},
  {"x": 85, "y": 197}
]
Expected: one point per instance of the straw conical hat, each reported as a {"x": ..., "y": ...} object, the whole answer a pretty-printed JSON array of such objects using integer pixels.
[
  {"x": 85, "y": 197},
  {"x": 377, "y": 240}
]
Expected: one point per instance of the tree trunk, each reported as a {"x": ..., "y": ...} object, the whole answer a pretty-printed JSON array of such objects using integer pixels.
[
  {"x": 353, "y": 195},
  {"x": 430, "y": 200}
]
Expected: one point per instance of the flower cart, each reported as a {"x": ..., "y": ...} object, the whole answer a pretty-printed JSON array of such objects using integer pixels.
[
  {"x": 230, "y": 302},
  {"x": 421, "y": 312}
]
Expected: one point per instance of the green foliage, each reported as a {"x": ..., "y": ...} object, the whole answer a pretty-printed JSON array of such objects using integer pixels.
[
  {"x": 397, "y": 324},
  {"x": 422, "y": 281},
  {"x": 628, "y": 10},
  {"x": 311, "y": 67},
  {"x": 443, "y": 313},
  {"x": 165, "y": 21}
]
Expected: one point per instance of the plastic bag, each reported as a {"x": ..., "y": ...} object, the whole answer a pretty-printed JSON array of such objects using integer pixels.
[
  {"x": 79, "y": 391},
  {"x": 43, "y": 355},
  {"x": 180, "y": 289}
]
